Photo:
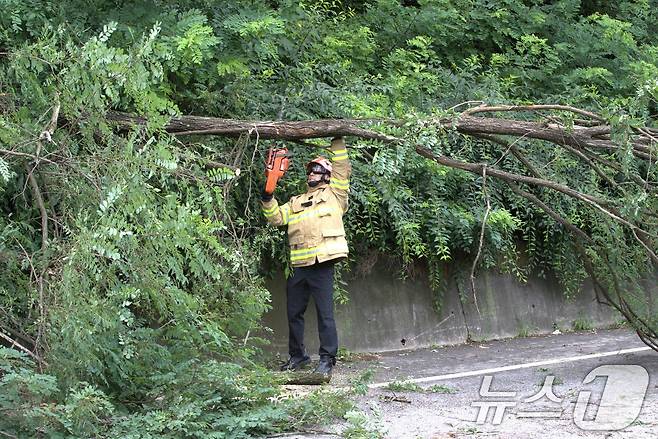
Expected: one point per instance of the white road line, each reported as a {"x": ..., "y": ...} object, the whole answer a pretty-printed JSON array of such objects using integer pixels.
[
  {"x": 539, "y": 414},
  {"x": 451, "y": 376}
]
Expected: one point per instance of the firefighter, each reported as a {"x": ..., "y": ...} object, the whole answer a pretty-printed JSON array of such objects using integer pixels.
[{"x": 317, "y": 241}]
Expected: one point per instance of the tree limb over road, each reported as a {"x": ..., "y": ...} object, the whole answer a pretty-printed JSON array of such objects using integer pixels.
[{"x": 584, "y": 135}]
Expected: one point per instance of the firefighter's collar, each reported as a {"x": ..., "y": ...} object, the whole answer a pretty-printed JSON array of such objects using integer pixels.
[{"x": 310, "y": 189}]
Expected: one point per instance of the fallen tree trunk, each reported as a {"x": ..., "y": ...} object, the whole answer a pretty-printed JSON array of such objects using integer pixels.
[
  {"x": 281, "y": 130},
  {"x": 576, "y": 136},
  {"x": 584, "y": 140},
  {"x": 304, "y": 378}
]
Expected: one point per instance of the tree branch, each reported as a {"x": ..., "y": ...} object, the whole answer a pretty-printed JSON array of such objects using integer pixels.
[
  {"x": 508, "y": 176},
  {"x": 481, "y": 241},
  {"x": 589, "y": 133},
  {"x": 49, "y": 129},
  {"x": 592, "y": 165},
  {"x": 620, "y": 304},
  {"x": 38, "y": 198},
  {"x": 638, "y": 180},
  {"x": 284, "y": 130},
  {"x": 23, "y": 154},
  {"x": 592, "y": 201},
  {"x": 514, "y": 150},
  {"x": 580, "y": 138},
  {"x": 464, "y": 123},
  {"x": 13, "y": 331},
  {"x": 5, "y": 434},
  {"x": 557, "y": 217},
  {"x": 14, "y": 343},
  {"x": 492, "y": 109}
]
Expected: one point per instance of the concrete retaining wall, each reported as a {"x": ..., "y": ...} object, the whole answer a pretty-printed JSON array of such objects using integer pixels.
[{"x": 386, "y": 313}]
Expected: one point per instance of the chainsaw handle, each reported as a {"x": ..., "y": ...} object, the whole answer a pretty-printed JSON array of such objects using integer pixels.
[
  {"x": 275, "y": 168},
  {"x": 270, "y": 182}
]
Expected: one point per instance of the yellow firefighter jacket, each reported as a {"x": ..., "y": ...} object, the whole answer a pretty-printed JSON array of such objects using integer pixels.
[{"x": 315, "y": 219}]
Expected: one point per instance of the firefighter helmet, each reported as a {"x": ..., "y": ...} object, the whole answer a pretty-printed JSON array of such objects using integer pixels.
[{"x": 319, "y": 165}]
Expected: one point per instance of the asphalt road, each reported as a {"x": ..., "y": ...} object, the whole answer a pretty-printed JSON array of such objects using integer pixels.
[{"x": 437, "y": 392}]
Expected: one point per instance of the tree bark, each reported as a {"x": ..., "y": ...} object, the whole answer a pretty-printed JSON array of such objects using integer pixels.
[
  {"x": 578, "y": 136},
  {"x": 282, "y": 130}
]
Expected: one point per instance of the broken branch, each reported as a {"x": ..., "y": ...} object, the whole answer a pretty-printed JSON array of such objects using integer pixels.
[
  {"x": 16, "y": 344},
  {"x": 500, "y": 108}
]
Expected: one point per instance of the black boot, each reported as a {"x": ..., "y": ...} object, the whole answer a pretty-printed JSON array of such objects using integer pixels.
[
  {"x": 324, "y": 367},
  {"x": 296, "y": 363}
]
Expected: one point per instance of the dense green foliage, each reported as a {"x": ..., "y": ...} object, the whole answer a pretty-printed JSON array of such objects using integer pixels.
[{"x": 142, "y": 303}]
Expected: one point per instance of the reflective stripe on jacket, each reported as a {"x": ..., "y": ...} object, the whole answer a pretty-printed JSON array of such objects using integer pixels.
[{"x": 315, "y": 218}]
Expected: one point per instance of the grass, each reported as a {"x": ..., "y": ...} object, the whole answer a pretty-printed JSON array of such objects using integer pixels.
[
  {"x": 582, "y": 324},
  {"x": 362, "y": 426},
  {"x": 556, "y": 380},
  {"x": 407, "y": 386},
  {"x": 403, "y": 386},
  {"x": 440, "y": 388},
  {"x": 524, "y": 331},
  {"x": 619, "y": 324},
  {"x": 359, "y": 384},
  {"x": 346, "y": 356}
]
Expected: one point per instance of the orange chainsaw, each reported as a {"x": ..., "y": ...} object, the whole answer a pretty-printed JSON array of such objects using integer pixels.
[{"x": 277, "y": 165}]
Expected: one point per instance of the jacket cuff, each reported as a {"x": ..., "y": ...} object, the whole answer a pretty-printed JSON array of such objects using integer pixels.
[
  {"x": 337, "y": 144},
  {"x": 266, "y": 197}
]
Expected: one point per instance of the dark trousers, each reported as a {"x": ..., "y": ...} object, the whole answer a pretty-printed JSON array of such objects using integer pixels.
[{"x": 318, "y": 281}]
